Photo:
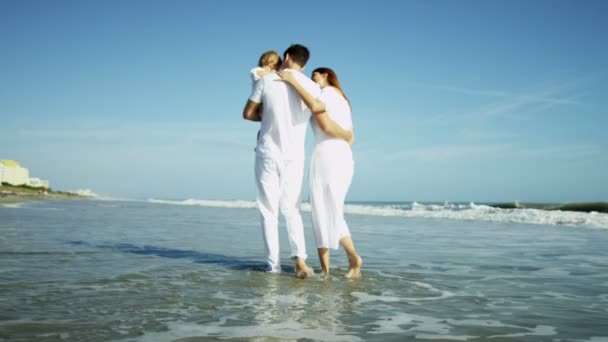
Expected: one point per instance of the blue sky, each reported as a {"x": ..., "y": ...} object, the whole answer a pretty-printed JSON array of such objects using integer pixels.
[{"x": 452, "y": 100}]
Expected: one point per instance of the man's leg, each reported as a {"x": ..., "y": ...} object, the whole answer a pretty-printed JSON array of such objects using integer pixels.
[
  {"x": 268, "y": 186},
  {"x": 291, "y": 186}
]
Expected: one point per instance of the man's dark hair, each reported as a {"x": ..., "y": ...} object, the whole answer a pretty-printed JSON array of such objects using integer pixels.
[{"x": 299, "y": 54}]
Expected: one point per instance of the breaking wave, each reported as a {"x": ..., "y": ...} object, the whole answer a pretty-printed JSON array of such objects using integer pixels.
[{"x": 450, "y": 211}]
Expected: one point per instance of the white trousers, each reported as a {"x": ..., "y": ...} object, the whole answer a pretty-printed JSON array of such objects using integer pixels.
[
  {"x": 279, "y": 184},
  {"x": 331, "y": 173}
]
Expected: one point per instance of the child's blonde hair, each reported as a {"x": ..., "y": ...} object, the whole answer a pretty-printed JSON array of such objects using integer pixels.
[{"x": 270, "y": 58}]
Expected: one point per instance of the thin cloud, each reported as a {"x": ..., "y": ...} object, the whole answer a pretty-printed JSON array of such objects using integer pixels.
[
  {"x": 142, "y": 133},
  {"x": 451, "y": 153},
  {"x": 563, "y": 152},
  {"x": 532, "y": 99},
  {"x": 542, "y": 97},
  {"x": 435, "y": 153}
]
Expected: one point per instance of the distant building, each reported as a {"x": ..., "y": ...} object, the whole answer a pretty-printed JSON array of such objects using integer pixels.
[
  {"x": 39, "y": 183},
  {"x": 12, "y": 173}
]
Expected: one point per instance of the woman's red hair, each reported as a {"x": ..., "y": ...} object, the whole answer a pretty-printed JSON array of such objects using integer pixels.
[{"x": 332, "y": 80}]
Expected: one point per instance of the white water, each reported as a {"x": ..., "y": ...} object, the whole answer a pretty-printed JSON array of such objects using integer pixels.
[{"x": 449, "y": 211}]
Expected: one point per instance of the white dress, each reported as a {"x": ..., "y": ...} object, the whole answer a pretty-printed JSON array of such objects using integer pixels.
[{"x": 331, "y": 172}]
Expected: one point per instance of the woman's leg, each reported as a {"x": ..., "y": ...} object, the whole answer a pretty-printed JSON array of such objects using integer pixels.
[
  {"x": 354, "y": 260},
  {"x": 324, "y": 259}
]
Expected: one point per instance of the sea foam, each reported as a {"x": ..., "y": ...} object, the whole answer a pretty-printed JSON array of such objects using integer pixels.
[{"x": 448, "y": 211}]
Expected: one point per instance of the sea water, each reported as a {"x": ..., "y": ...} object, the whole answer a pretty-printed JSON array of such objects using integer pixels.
[{"x": 91, "y": 270}]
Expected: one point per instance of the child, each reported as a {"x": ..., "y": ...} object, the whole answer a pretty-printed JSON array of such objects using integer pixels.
[{"x": 269, "y": 61}]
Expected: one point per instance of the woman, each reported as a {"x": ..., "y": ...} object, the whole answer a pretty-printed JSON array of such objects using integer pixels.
[{"x": 331, "y": 168}]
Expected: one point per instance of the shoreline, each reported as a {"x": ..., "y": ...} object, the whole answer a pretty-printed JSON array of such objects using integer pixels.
[{"x": 10, "y": 195}]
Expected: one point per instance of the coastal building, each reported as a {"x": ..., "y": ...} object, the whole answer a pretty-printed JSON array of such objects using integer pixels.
[
  {"x": 13, "y": 173},
  {"x": 38, "y": 183}
]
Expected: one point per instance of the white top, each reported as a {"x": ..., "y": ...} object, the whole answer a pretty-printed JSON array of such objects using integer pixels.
[
  {"x": 284, "y": 116},
  {"x": 254, "y": 74},
  {"x": 338, "y": 110}
]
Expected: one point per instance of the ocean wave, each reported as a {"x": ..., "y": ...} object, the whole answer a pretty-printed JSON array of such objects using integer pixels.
[
  {"x": 84, "y": 193},
  {"x": 90, "y": 194},
  {"x": 11, "y": 205},
  {"x": 449, "y": 211},
  {"x": 115, "y": 199},
  {"x": 480, "y": 212},
  {"x": 208, "y": 203}
]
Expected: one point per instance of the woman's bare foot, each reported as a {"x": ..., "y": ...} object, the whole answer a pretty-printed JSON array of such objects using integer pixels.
[{"x": 354, "y": 269}]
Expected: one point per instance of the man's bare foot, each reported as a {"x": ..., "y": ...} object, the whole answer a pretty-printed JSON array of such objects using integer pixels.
[
  {"x": 302, "y": 270},
  {"x": 354, "y": 270}
]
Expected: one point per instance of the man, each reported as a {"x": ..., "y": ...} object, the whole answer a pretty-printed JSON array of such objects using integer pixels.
[{"x": 279, "y": 164}]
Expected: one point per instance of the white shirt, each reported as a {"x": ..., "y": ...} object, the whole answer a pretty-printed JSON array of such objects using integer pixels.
[
  {"x": 284, "y": 116},
  {"x": 254, "y": 74},
  {"x": 338, "y": 110}
]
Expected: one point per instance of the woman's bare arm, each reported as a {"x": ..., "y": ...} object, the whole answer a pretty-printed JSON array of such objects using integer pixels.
[
  {"x": 315, "y": 105},
  {"x": 330, "y": 127}
]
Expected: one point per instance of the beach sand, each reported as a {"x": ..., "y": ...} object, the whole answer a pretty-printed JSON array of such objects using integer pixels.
[{"x": 13, "y": 195}]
